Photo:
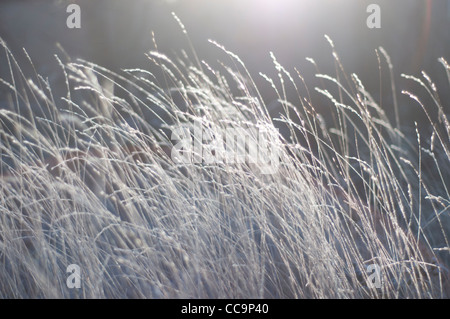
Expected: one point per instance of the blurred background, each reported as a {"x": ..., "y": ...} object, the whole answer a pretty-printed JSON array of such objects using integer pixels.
[{"x": 117, "y": 33}]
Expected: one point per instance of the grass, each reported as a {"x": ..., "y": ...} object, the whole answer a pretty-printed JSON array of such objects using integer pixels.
[{"x": 89, "y": 180}]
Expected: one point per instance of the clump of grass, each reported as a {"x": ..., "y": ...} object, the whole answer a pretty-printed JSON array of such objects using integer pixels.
[{"x": 89, "y": 180}]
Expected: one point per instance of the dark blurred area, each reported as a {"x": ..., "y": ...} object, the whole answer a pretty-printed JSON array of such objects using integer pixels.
[{"x": 117, "y": 33}]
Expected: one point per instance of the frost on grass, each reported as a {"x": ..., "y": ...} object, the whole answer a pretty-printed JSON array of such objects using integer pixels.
[{"x": 88, "y": 179}]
